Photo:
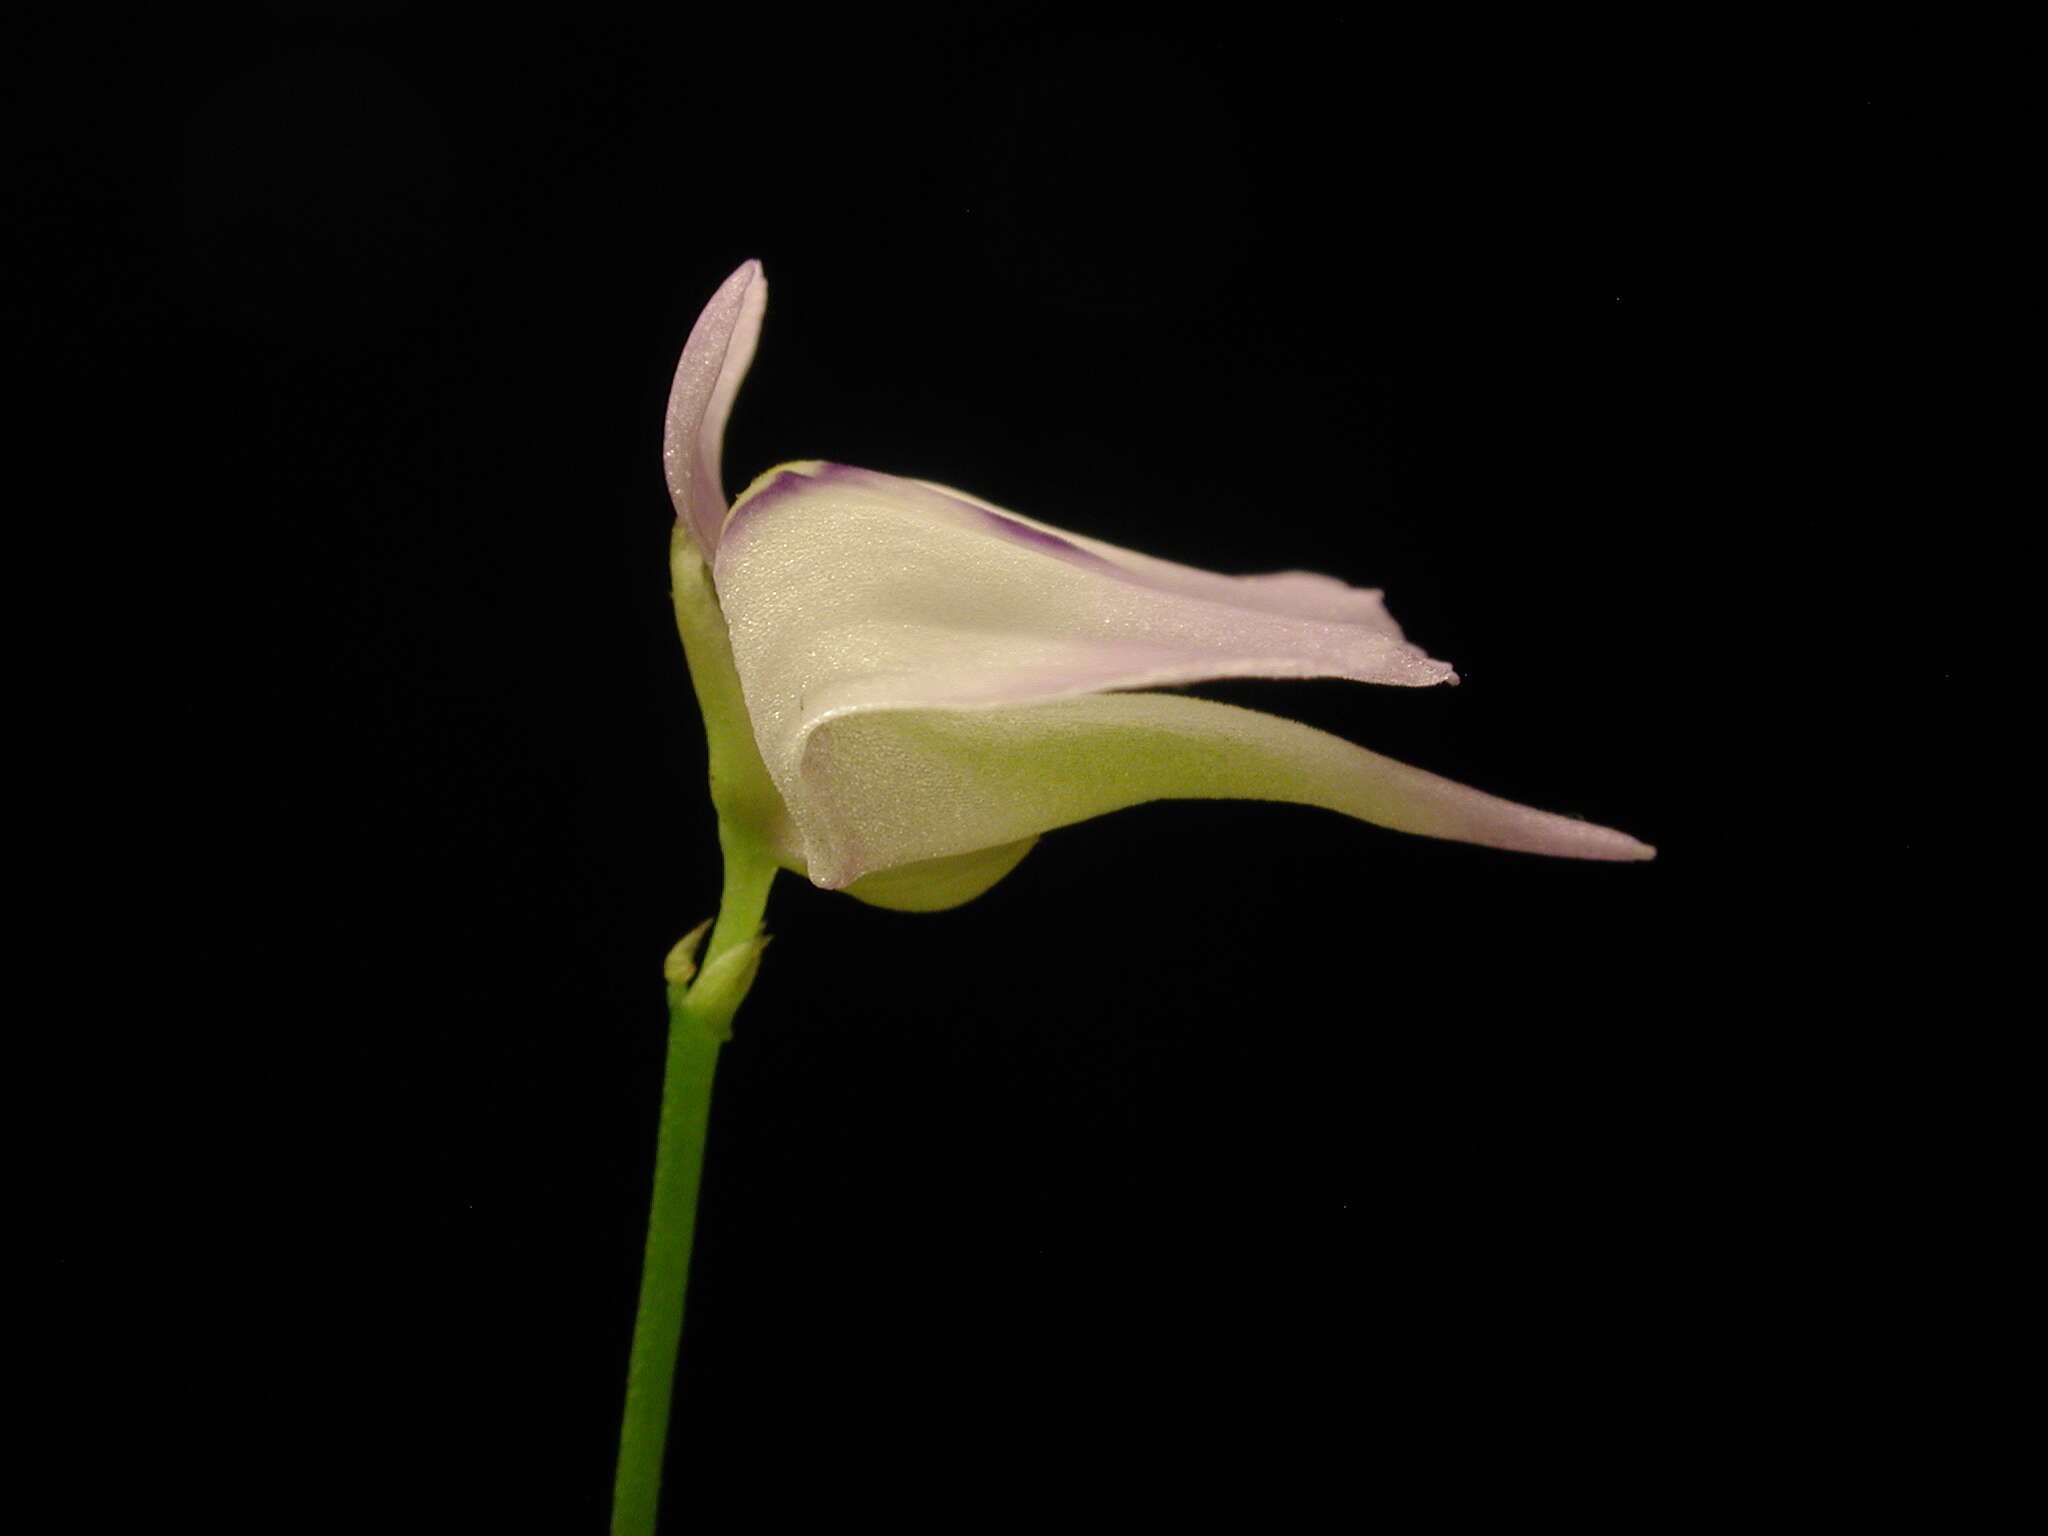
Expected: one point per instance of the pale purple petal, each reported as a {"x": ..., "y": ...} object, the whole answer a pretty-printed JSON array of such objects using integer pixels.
[
  {"x": 847, "y": 589},
  {"x": 1303, "y": 594},
  {"x": 848, "y": 592},
  {"x": 714, "y": 361}
]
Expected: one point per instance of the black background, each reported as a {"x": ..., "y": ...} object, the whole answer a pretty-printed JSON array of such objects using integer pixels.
[{"x": 1223, "y": 1152}]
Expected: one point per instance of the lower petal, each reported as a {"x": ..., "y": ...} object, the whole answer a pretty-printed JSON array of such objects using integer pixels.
[{"x": 885, "y": 788}]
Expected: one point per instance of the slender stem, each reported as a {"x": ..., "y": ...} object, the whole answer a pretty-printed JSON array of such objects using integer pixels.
[
  {"x": 658, "y": 1326},
  {"x": 700, "y": 1020},
  {"x": 749, "y": 871}
]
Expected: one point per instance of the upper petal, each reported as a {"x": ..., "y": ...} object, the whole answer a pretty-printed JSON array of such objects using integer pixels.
[
  {"x": 847, "y": 592},
  {"x": 1304, "y": 594},
  {"x": 714, "y": 361}
]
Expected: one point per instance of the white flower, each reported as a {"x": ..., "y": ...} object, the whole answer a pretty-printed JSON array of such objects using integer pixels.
[{"x": 932, "y": 682}]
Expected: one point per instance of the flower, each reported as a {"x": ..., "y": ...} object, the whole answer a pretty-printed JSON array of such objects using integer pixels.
[{"x": 930, "y": 682}]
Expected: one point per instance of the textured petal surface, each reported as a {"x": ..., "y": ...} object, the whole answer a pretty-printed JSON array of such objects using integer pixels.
[
  {"x": 929, "y": 676},
  {"x": 884, "y": 787},
  {"x": 933, "y": 681},
  {"x": 714, "y": 361},
  {"x": 1301, "y": 593},
  {"x": 847, "y": 591}
]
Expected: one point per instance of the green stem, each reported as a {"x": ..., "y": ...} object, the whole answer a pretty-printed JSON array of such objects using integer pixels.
[
  {"x": 700, "y": 1020},
  {"x": 749, "y": 871}
]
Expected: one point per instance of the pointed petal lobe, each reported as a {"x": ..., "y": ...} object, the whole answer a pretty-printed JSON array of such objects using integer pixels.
[
  {"x": 885, "y": 788},
  {"x": 714, "y": 362}
]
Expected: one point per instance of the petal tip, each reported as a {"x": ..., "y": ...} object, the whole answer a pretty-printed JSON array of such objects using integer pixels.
[
  {"x": 741, "y": 278},
  {"x": 1614, "y": 847}
]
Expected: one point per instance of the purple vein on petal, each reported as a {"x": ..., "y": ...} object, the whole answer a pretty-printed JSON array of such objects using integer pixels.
[{"x": 1046, "y": 543}]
